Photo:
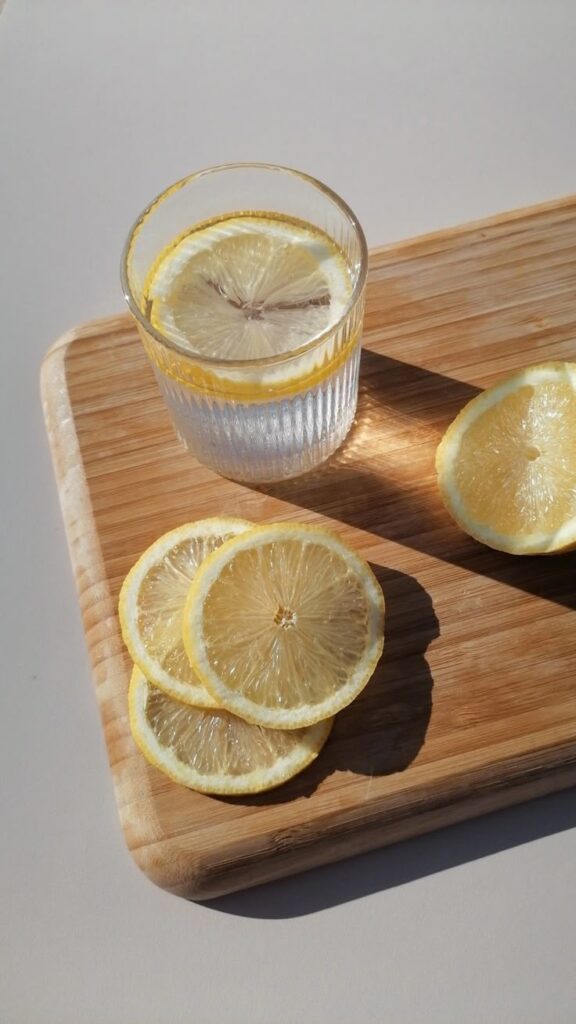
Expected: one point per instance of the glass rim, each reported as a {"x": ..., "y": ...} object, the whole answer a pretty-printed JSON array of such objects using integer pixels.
[{"x": 273, "y": 360}]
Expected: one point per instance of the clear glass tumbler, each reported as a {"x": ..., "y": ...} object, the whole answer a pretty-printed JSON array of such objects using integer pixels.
[{"x": 253, "y": 419}]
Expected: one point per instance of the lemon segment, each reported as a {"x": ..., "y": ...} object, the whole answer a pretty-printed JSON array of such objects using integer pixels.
[
  {"x": 152, "y": 601},
  {"x": 284, "y": 625},
  {"x": 213, "y": 751},
  {"x": 506, "y": 466}
]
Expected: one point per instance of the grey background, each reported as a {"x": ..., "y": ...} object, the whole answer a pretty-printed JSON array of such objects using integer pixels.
[{"x": 421, "y": 114}]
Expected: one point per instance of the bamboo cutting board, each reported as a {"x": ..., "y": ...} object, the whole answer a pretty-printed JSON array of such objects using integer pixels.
[{"x": 473, "y": 706}]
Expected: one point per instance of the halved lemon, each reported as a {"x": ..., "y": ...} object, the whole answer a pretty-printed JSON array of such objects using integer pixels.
[
  {"x": 507, "y": 464},
  {"x": 213, "y": 751},
  {"x": 284, "y": 625},
  {"x": 248, "y": 286},
  {"x": 152, "y": 601}
]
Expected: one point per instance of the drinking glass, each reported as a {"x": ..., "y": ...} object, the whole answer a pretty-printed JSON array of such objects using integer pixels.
[{"x": 260, "y": 419}]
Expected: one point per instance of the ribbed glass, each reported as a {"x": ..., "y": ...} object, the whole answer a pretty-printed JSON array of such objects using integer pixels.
[
  {"x": 264, "y": 441},
  {"x": 265, "y": 419}
]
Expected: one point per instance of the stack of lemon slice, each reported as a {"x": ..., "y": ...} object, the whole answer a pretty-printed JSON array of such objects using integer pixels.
[{"x": 246, "y": 641}]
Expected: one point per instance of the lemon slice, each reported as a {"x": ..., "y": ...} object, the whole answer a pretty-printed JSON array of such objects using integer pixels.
[
  {"x": 248, "y": 287},
  {"x": 507, "y": 464},
  {"x": 213, "y": 751},
  {"x": 284, "y": 625},
  {"x": 152, "y": 601}
]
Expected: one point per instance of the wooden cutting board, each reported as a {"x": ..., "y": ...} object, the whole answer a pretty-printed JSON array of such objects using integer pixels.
[{"x": 473, "y": 706}]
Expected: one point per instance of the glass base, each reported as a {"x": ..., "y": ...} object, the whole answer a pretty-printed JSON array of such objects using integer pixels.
[{"x": 266, "y": 441}]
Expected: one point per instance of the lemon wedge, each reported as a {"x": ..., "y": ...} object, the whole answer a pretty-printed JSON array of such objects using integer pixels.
[{"x": 507, "y": 464}]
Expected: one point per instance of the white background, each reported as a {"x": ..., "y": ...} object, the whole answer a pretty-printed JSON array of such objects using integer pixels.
[{"x": 421, "y": 114}]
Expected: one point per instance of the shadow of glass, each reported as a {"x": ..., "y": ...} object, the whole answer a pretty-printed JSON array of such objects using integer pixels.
[
  {"x": 403, "y": 863},
  {"x": 382, "y": 479}
]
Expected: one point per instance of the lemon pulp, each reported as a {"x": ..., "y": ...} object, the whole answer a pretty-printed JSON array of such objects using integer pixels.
[
  {"x": 507, "y": 464},
  {"x": 212, "y": 750},
  {"x": 152, "y": 602},
  {"x": 517, "y": 465},
  {"x": 285, "y": 627}
]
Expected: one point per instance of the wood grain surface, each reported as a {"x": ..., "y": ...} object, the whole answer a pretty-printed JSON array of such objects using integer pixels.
[{"x": 473, "y": 706}]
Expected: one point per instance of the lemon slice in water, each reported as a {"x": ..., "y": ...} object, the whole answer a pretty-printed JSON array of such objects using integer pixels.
[
  {"x": 284, "y": 625},
  {"x": 248, "y": 287}
]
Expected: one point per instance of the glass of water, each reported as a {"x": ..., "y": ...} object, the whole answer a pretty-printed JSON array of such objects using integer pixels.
[{"x": 247, "y": 284}]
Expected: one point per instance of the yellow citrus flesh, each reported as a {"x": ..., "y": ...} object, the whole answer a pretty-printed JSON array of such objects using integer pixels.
[
  {"x": 247, "y": 288},
  {"x": 284, "y": 626},
  {"x": 507, "y": 464},
  {"x": 213, "y": 751},
  {"x": 152, "y": 602}
]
